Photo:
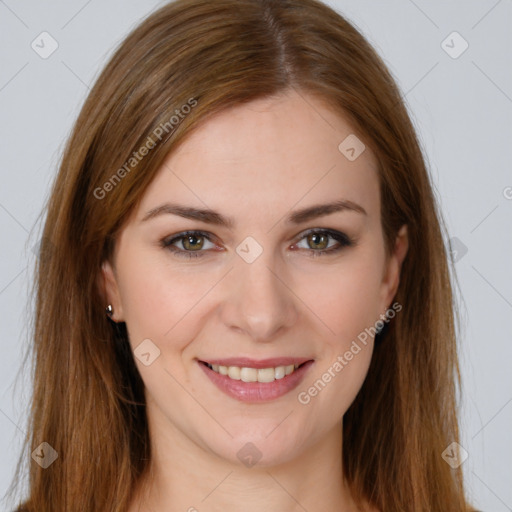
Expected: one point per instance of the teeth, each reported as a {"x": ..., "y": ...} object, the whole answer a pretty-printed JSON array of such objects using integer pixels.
[{"x": 254, "y": 374}]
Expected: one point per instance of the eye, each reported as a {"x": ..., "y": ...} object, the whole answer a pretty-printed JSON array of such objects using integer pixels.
[
  {"x": 317, "y": 241},
  {"x": 191, "y": 244}
]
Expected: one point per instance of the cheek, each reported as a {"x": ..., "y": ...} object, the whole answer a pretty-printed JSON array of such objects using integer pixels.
[
  {"x": 161, "y": 302},
  {"x": 159, "y": 299},
  {"x": 347, "y": 302},
  {"x": 345, "y": 297}
]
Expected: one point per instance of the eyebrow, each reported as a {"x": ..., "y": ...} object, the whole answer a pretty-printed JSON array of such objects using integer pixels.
[{"x": 213, "y": 217}]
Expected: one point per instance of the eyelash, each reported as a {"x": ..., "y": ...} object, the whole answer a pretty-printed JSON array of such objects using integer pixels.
[{"x": 341, "y": 238}]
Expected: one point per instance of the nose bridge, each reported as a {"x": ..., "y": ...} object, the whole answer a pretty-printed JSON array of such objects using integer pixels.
[{"x": 259, "y": 302}]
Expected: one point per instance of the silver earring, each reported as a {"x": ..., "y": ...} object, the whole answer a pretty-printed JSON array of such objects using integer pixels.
[{"x": 109, "y": 310}]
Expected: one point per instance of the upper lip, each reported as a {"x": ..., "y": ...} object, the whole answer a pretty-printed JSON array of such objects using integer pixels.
[{"x": 246, "y": 362}]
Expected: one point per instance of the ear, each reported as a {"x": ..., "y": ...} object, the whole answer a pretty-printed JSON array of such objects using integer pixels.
[
  {"x": 391, "y": 278},
  {"x": 110, "y": 290}
]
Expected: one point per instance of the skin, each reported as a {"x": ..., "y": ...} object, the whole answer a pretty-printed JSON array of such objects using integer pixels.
[{"x": 255, "y": 163}]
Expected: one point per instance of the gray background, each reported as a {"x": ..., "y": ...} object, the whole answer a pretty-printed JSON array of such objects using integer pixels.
[{"x": 462, "y": 108}]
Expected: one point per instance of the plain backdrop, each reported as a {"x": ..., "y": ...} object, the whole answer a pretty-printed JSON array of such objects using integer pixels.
[{"x": 460, "y": 100}]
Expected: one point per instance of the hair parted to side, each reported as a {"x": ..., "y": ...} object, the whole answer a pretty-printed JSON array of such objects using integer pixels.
[{"x": 88, "y": 400}]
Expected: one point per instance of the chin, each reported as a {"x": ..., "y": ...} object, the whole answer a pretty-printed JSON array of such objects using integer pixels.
[{"x": 265, "y": 449}]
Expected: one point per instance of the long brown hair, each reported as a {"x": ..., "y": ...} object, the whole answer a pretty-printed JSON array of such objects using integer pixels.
[{"x": 88, "y": 398}]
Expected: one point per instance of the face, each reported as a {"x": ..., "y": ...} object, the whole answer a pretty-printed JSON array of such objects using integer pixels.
[{"x": 226, "y": 262}]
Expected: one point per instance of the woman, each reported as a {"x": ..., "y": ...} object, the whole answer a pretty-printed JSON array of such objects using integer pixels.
[{"x": 243, "y": 297}]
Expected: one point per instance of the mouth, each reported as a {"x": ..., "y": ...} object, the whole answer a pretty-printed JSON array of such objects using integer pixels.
[{"x": 256, "y": 381}]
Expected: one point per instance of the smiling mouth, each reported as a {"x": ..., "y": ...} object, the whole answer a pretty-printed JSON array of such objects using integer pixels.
[{"x": 248, "y": 374}]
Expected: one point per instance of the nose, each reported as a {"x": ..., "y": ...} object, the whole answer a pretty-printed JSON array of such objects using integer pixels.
[{"x": 259, "y": 301}]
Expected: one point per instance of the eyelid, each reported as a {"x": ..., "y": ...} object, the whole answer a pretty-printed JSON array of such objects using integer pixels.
[{"x": 326, "y": 231}]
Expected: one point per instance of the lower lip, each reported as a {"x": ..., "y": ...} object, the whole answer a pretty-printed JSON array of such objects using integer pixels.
[{"x": 257, "y": 391}]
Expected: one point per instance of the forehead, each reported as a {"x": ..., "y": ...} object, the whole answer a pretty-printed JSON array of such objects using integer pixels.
[{"x": 267, "y": 155}]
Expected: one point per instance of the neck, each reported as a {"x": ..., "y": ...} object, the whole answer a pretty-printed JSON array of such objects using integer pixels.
[{"x": 185, "y": 476}]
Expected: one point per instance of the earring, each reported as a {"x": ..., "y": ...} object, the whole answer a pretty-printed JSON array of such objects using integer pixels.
[
  {"x": 379, "y": 335},
  {"x": 109, "y": 310}
]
